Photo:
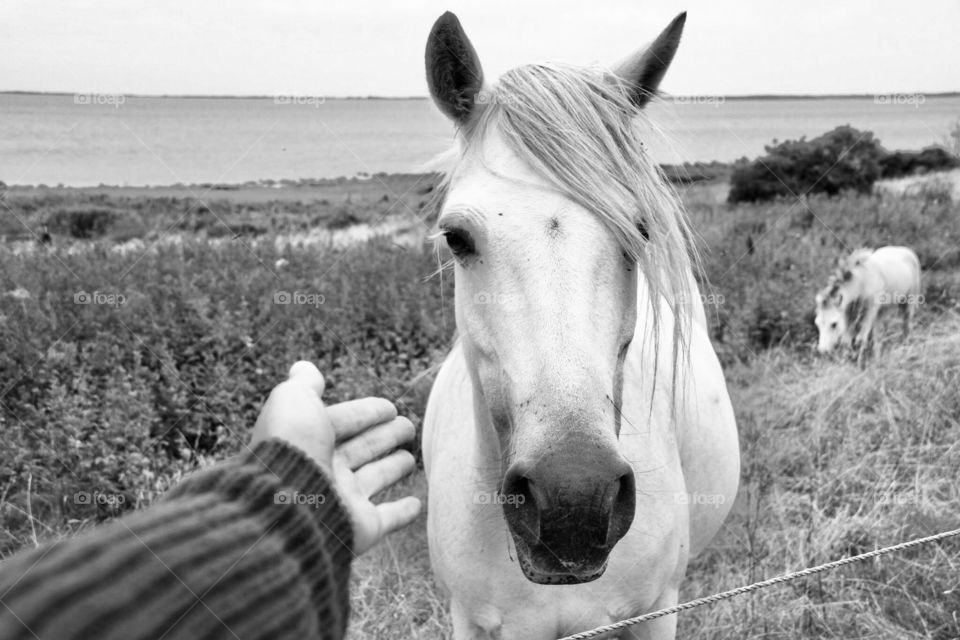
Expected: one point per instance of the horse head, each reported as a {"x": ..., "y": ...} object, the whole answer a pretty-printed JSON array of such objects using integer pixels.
[{"x": 552, "y": 212}]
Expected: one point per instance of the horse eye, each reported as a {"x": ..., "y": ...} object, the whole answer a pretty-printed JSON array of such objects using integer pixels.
[
  {"x": 459, "y": 242},
  {"x": 833, "y": 325}
]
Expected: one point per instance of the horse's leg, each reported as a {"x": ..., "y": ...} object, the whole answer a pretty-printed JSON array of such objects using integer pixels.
[
  {"x": 906, "y": 314},
  {"x": 865, "y": 349},
  {"x": 866, "y": 330}
]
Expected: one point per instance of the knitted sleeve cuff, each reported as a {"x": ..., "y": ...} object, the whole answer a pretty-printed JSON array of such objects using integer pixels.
[
  {"x": 262, "y": 541},
  {"x": 303, "y": 483},
  {"x": 278, "y": 482}
]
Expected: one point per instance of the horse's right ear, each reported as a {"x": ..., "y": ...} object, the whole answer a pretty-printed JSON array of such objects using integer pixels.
[
  {"x": 453, "y": 69},
  {"x": 644, "y": 70}
]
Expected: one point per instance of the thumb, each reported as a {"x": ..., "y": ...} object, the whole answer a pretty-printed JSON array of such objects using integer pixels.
[{"x": 307, "y": 373}]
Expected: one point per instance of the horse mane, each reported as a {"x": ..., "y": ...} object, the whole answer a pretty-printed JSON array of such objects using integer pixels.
[
  {"x": 843, "y": 274},
  {"x": 579, "y": 130},
  {"x": 858, "y": 257}
]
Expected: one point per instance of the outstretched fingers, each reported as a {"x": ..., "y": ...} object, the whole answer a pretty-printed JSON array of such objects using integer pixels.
[
  {"x": 356, "y": 416},
  {"x": 380, "y": 474},
  {"x": 398, "y": 514},
  {"x": 376, "y": 442}
]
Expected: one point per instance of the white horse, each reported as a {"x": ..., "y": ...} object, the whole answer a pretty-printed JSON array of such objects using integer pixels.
[
  {"x": 579, "y": 441},
  {"x": 867, "y": 282}
]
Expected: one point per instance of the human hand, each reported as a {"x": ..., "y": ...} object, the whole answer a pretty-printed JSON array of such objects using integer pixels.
[{"x": 352, "y": 442}]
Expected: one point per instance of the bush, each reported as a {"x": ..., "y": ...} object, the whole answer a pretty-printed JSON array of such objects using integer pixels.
[
  {"x": 342, "y": 217},
  {"x": 840, "y": 160},
  {"x": 82, "y": 222},
  {"x": 908, "y": 163}
]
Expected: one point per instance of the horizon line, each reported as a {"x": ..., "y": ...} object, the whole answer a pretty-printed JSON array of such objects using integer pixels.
[{"x": 665, "y": 97}]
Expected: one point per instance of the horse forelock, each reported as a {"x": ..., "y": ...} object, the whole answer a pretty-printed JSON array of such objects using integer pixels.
[
  {"x": 578, "y": 129},
  {"x": 858, "y": 257}
]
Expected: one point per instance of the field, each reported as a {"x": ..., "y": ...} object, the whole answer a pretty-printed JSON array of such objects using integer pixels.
[{"x": 141, "y": 342}]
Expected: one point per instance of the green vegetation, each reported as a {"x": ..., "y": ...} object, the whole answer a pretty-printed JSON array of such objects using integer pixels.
[
  {"x": 210, "y": 211},
  {"x": 844, "y": 159},
  {"x": 164, "y": 367},
  {"x": 908, "y": 163}
]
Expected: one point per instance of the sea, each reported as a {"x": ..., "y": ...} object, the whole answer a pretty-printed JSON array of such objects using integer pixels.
[{"x": 116, "y": 140}]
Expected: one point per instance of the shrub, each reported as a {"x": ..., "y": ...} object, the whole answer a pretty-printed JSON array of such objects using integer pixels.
[
  {"x": 342, "y": 217},
  {"x": 84, "y": 222},
  {"x": 907, "y": 163},
  {"x": 840, "y": 160}
]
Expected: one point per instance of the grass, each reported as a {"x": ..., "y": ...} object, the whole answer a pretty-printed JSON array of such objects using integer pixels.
[
  {"x": 839, "y": 461},
  {"x": 122, "y": 399}
]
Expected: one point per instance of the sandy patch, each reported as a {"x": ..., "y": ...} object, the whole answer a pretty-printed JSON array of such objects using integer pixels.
[{"x": 916, "y": 185}]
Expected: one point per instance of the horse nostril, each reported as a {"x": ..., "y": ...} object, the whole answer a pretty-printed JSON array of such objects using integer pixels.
[
  {"x": 520, "y": 503},
  {"x": 624, "y": 505}
]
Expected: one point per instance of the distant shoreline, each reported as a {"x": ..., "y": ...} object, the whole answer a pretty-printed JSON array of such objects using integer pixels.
[
  {"x": 755, "y": 97},
  {"x": 685, "y": 173}
]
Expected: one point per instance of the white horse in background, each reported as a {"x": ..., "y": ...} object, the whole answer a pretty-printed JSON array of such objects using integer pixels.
[
  {"x": 866, "y": 283},
  {"x": 579, "y": 442}
]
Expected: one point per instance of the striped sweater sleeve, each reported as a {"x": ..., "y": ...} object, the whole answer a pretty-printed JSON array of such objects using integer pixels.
[{"x": 257, "y": 547}]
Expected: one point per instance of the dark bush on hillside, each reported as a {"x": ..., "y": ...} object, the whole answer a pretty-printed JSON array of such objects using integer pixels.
[
  {"x": 844, "y": 159},
  {"x": 82, "y": 222},
  {"x": 908, "y": 163},
  {"x": 342, "y": 217}
]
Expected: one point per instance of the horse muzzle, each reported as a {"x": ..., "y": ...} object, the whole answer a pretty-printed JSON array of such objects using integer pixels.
[{"x": 567, "y": 512}]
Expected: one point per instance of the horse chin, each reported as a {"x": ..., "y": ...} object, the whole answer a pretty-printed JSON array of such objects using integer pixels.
[{"x": 541, "y": 567}]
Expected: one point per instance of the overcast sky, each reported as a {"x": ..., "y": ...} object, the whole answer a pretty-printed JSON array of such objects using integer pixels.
[{"x": 363, "y": 47}]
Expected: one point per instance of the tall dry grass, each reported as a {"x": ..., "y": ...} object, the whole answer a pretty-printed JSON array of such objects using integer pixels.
[{"x": 839, "y": 461}]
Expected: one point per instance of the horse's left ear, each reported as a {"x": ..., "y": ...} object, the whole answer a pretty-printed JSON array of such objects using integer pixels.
[{"x": 644, "y": 70}]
